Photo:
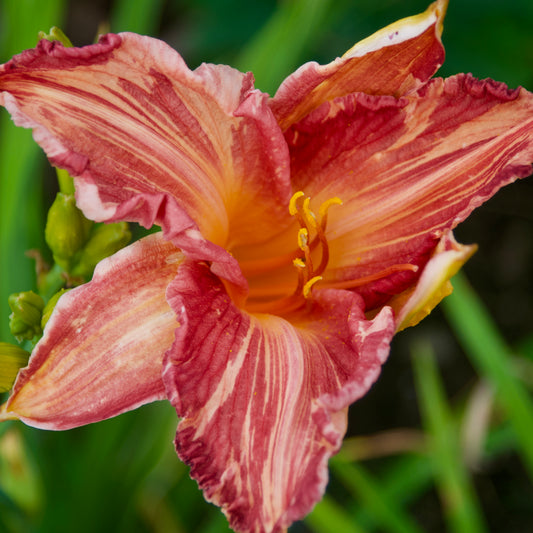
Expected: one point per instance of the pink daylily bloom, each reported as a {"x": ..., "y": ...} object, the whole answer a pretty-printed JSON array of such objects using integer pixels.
[{"x": 265, "y": 306}]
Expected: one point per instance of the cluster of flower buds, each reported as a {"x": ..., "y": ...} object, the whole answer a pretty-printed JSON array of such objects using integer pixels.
[
  {"x": 25, "y": 319},
  {"x": 77, "y": 245}
]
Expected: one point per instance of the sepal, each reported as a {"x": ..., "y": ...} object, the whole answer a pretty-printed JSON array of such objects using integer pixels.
[{"x": 50, "y": 306}]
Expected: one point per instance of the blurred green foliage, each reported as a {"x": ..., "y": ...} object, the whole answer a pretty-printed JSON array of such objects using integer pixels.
[{"x": 123, "y": 475}]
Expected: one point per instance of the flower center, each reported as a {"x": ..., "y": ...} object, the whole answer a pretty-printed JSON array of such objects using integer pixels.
[{"x": 311, "y": 239}]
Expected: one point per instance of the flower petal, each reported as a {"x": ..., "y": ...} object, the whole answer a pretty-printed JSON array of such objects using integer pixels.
[
  {"x": 132, "y": 122},
  {"x": 433, "y": 285},
  {"x": 264, "y": 401},
  {"x": 393, "y": 61},
  {"x": 407, "y": 170},
  {"x": 102, "y": 349}
]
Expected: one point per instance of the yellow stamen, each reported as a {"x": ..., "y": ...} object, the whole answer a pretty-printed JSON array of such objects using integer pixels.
[
  {"x": 298, "y": 263},
  {"x": 303, "y": 239},
  {"x": 309, "y": 222},
  {"x": 311, "y": 235},
  {"x": 323, "y": 210},
  {"x": 309, "y": 216},
  {"x": 293, "y": 208},
  {"x": 309, "y": 285}
]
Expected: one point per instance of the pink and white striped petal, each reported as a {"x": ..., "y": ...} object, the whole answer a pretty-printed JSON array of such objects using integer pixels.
[
  {"x": 129, "y": 119},
  {"x": 102, "y": 350},
  {"x": 407, "y": 170},
  {"x": 263, "y": 401},
  {"x": 395, "y": 60}
]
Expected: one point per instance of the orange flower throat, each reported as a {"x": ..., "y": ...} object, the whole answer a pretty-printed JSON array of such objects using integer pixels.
[{"x": 311, "y": 236}]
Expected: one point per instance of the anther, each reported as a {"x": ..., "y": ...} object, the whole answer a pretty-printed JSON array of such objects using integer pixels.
[
  {"x": 323, "y": 210},
  {"x": 293, "y": 208},
  {"x": 311, "y": 235},
  {"x": 310, "y": 217},
  {"x": 298, "y": 262},
  {"x": 309, "y": 285},
  {"x": 303, "y": 239},
  {"x": 310, "y": 222}
]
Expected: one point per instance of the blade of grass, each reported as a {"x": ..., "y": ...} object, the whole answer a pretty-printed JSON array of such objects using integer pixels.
[
  {"x": 458, "y": 497},
  {"x": 489, "y": 354},
  {"x": 403, "y": 481},
  {"x": 329, "y": 517},
  {"x": 275, "y": 51},
  {"x": 385, "y": 510}
]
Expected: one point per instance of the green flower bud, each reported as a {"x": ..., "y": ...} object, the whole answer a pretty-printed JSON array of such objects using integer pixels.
[
  {"x": 49, "y": 307},
  {"x": 66, "y": 229},
  {"x": 105, "y": 240},
  {"x": 25, "y": 320},
  {"x": 56, "y": 34},
  {"x": 12, "y": 359}
]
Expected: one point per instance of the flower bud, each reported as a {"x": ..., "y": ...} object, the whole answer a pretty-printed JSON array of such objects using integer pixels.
[
  {"x": 50, "y": 305},
  {"x": 12, "y": 359},
  {"x": 56, "y": 34},
  {"x": 66, "y": 229},
  {"x": 25, "y": 320},
  {"x": 105, "y": 240}
]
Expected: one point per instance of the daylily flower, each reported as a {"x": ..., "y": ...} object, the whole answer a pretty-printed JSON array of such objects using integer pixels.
[{"x": 299, "y": 233}]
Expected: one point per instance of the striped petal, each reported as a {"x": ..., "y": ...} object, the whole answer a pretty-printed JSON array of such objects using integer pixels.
[
  {"x": 102, "y": 349},
  {"x": 407, "y": 170},
  {"x": 142, "y": 131},
  {"x": 393, "y": 61},
  {"x": 263, "y": 401}
]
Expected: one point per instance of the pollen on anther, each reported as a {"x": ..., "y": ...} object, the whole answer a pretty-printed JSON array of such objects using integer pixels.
[
  {"x": 309, "y": 285},
  {"x": 300, "y": 263},
  {"x": 293, "y": 209},
  {"x": 327, "y": 204},
  {"x": 303, "y": 238},
  {"x": 310, "y": 217}
]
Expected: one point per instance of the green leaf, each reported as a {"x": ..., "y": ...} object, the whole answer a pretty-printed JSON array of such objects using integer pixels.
[
  {"x": 21, "y": 210},
  {"x": 459, "y": 500},
  {"x": 139, "y": 16},
  {"x": 329, "y": 517},
  {"x": 385, "y": 510},
  {"x": 276, "y": 50}
]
